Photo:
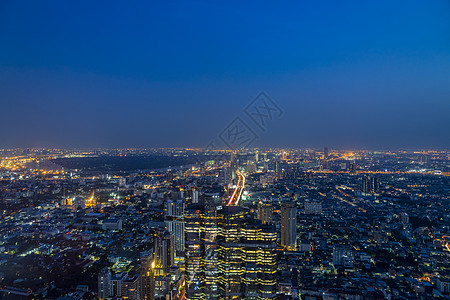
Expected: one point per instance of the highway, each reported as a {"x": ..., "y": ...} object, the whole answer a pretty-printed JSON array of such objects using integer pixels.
[{"x": 237, "y": 193}]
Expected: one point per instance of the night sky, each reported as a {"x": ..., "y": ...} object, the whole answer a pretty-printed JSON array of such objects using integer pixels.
[{"x": 347, "y": 74}]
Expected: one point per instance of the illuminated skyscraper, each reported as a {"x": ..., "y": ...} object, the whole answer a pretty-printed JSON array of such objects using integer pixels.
[
  {"x": 147, "y": 277},
  {"x": 174, "y": 221},
  {"x": 211, "y": 201},
  {"x": 246, "y": 256},
  {"x": 288, "y": 225},
  {"x": 259, "y": 260},
  {"x": 229, "y": 250},
  {"x": 195, "y": 251}
]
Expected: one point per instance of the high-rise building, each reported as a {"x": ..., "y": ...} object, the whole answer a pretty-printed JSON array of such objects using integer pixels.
[
  {"x": 288, "y": 225},
  {"x": 226, "y": 176},
  {"x": 259, "y": 260},
  {"x": 116, "y": 285},
  {"x": 375, "y": 185},
  {"x": 229, "y": 250},
  {"x": 201, "y": 247},
  {"x": 174, "y": 208},
  {"x": 104, "y": 283},
  {"x": 131, "y": 288},
  {"x": 325, "y": 153},
  {"x": 246, "y": 256},
  {"x": 176, "y": 227},
  {"x": 370, "y": 185},
  {"x": 174, "y": 221},
  {"x": 264, "y": 211},
  {"x": 211, "y": 202},
  {"x": 194, "y": 196},
  {"x": 147, "y": 284},
  {"x": 195, "y": 251},
  {"x": 352, "y": 168},
  {"x": 164, "y": 252}
]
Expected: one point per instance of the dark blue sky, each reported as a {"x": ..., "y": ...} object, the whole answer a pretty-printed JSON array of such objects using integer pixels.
[{"x": 348, "y": 74}]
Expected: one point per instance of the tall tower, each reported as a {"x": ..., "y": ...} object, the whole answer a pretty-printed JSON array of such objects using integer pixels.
[
  {"x": 265, "y": 211},
  {"x": 104, "y": 283},
  {"x": 147, "y": 276},
  {"x": 164, "y": 253},
  {"x": 212, "y": 201},
  {"x": 370, "y": 185},
  {"x": 259, "y": 260},
  {"x": 288, "y": 225},
  {"x": 174, "y": 221},
  {"x": 229, "y": 249},
  {"x": 365, "y": 187},
  {"x": 246, "y": 256},
  {"x": 195, "y": 251}
]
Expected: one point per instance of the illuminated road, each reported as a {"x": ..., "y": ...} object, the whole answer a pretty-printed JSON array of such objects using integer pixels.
[
  {"x": 237, "y": 193},
  {"x": 347, "y": 201}
]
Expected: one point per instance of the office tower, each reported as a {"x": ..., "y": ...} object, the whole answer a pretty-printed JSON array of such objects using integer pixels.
[
  {"x": 174, "y": 221},
  {"x": 200, "y": 249},
  {"x": 288, "y": 225},
  {"x": 176, "y": 227},
  {"x": 233, "y": 157},
  {"x": 259, "y": 261},
  {"x": 264, "y": 211},
  {"x": 375, "y": 185},
  {"x": 195, "y": 251},
  {"x": 211, "y": 202},
  {"x": 194, "y": 196},
  {"x": 164, "y": 252},
  {"x": 352, "y": 168},
  {"x": 229, "y": 249},
  {"x": 147, "y": 277},
  {"x": 246, "y": 256},
  {"x": 104, "y": 283},
  {"x": 365, "y": 185},
  {"x": 370, "y": 185},
  {"x": 325, "y": 153},
  {"x": 278, "y": 171},
  {"x": 226, "y": 176},
  {"x": 256, "y": 156}
]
